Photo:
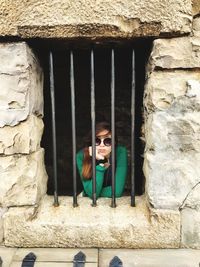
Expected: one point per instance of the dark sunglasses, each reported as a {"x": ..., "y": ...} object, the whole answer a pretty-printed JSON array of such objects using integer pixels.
[{"x": 106, "y": 141}]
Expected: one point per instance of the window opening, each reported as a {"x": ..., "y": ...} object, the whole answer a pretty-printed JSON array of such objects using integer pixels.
[{"x": 102, "y": 65}]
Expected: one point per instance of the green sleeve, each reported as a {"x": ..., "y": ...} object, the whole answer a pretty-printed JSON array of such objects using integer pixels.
[
  {"x": 120, "y": 175},
  {"x": 87, "y": 183}
]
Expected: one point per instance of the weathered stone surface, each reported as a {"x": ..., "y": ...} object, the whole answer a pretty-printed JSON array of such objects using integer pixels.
[
  {"x": 172, "y": 132},
  {"x": 21, "y": 84},
  {"x": 196, "y": 27},
  {"x": 182, "y": 53},
  {"x": 193, "y": 200},
  {"x": 102, "y": 226},
  {"x": 61, "y": 18},
  {"x": 23, "y": 179},
  {"x": 163, "y": 90},
  {"x": 190, "y": 219},
  {"x": 2, "y": 211},
  {"x": 195, "y": 7},
  {"x": 170, "y": 176},
  {"x": 190, "y": 229},
  {"x": 24, "y": 138},
  {"x": 151, "y": 257},
  {"x": 7, "y": 255}
]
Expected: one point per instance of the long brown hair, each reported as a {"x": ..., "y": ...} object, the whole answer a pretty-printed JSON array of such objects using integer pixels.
[{"x": 87, "y": 160}]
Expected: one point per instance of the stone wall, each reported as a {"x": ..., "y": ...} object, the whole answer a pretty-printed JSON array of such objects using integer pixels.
[
  {"x": 23, "y": 176},
  {"x": 172, "y": 131}
]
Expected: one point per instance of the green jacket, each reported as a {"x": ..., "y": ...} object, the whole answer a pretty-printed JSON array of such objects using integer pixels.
[{"x": 120, "y": 175}]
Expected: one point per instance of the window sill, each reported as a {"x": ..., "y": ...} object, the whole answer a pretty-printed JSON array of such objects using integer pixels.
[{"x": 87, "y": 226}]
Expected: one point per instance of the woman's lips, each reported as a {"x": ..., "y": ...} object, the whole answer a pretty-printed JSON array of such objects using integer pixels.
[{"x": 101, "y": 150}]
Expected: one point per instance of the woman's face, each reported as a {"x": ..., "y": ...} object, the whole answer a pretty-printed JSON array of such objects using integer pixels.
[{"x": 103, "y": 149}]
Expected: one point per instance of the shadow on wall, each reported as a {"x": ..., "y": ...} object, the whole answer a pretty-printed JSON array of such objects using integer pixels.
[{"x": 123, "y": 58}]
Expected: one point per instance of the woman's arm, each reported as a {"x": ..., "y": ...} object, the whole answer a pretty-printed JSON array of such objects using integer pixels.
[
  {"x": 120, "y": 175},
  {"x": 87, "y": 183}
]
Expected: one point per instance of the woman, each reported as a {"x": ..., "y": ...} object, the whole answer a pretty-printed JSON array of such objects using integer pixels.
[{"x": 103, "y": 165}]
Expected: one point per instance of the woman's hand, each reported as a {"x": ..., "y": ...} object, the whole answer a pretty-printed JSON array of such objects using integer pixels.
[{"x": 98, "y": 155}]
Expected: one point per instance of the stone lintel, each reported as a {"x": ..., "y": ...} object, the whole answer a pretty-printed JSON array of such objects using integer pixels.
[
  {"x": 87, "y": 226},
  {"x": 44, "y": 18}
]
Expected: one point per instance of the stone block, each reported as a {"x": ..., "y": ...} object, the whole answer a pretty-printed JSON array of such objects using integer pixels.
[
  {"x": 101, "y": 226},
  {"x": 2, "y": 211},
  {"x": 190, "y": 228},
  {"x": 170, "y": 176},
  {"x": 151, "y": 257},
  {"x": 23, "y": 179},
  {"x": 190, "y": 219},
  {"x": 196, "y": 26},
  {"x": 172, "y": 134},
  {"x": 21, "y": 83},
  {"x": 61, "y": 18},
  {"x": 24, "y": 138},
  {"x": 177, "y": 90},
  {"x": 195, "y": 7},
  {"x": 7, "y": 255},
  {"x": 193, "y": 200},
  {"x": 175, "y": 53}
]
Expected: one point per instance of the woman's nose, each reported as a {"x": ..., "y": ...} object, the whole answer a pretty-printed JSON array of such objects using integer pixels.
[{"x": 101, "y": 144}]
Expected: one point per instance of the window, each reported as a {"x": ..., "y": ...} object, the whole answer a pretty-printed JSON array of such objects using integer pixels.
[{"x": 102, "y": 66}]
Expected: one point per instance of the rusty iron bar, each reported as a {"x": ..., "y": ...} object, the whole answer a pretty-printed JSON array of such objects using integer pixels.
[
  {"x": 93, "y": 121},
  {"x": 52, "y": 93},
  {"x": 29, "y": 260},
  {"x": 133, "y": 131},
  {"x": 72, "y": 86},
  {"x": 113, "y": 201}
]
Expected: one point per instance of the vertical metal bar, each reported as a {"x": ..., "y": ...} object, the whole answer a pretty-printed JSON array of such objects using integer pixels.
[
  {"x": 94, "y": 198},
  {"x": 52, "y": 91},
  {"x": 113, "y": 203},
  {"x": 133, "y": 132},
  {"x": 75, "y": 204}
]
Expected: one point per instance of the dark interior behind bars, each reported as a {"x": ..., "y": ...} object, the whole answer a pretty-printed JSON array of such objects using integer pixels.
[{"x": 123, "y": 69}]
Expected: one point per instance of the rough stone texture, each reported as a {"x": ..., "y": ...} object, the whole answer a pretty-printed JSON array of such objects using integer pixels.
[
  {"x": 24, "y": 138},
  {"x": 196, "y": 27},
  {"x": 181, "y": 53},
  {"x": 101, "y": 226},
  {"x": 2, "y": 211},
  {"x": 107, "y": 18},
  {"x": 165, "y": 90},
  {"x": 190, "y": 230},
  {"x": 172, "y": 132},
  {"x": 195, "y": 7},
  {"x": 23, "y": 179},
  {"x": 7, "y": 255},
  {"x": 21, "y": 84},
  {"x": 151, "y": 257},
  {"x": 190, "y": 214}
]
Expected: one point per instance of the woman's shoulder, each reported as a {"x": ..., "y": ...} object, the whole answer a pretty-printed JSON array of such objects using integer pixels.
[
  {"x": 79, "y": 154},
  {"x": 121, "y": 148}
]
